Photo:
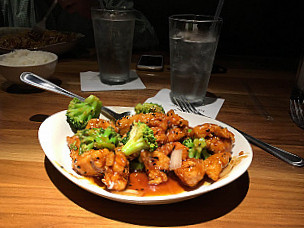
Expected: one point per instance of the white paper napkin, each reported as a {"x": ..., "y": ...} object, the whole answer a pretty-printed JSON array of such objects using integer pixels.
[
  {"x": 90, "y": 82},
  {"x": 211, "y": 108}
]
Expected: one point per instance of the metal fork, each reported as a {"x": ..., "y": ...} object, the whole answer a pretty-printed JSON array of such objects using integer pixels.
[
  {"x": 186, "y": 106},
  {"x": 288, "y": 157},
  {"x": 297, "y": 111}
]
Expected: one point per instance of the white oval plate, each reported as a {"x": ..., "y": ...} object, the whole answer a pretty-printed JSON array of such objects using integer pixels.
[{"x": 54, "y": 130}]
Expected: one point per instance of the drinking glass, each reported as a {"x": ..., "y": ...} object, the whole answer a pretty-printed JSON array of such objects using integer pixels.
[
  {"x": 193, "y": 43},
  {"x": 113, "y": 32}
]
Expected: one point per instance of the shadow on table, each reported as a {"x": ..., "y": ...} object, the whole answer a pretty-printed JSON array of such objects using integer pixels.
[
  {"x": 210, "y": 98},
  {"x": 204, "y": 208},
  {"x": 24, "y": 88}
]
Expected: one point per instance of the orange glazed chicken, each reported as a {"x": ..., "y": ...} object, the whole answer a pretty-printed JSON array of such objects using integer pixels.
[{"x": 162, "y": 146}]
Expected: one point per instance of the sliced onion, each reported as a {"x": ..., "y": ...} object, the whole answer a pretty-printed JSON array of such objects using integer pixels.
[{"x": 176, "y": 159}]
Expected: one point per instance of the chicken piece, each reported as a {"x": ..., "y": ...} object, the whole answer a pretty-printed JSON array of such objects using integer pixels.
[
  {"x": 191, "y": 172},
  {"x": 174, "y": 120},
  {"x": 210, "y": 130},
  {"x": 218, "y": 145},
  {"x": 176, "y": 134},
  {"x": 116, "y": 177},
  {"x": 121, "y": 163},
  {"x": 89, "y": 162},
  {"x": 101, "y": 123},
  {"x": 160, "y": 135},
  {"x": 92, "y": 162},
  {"x": 169, "y": 147},
  {"x": 156, "y": 165},
  {"x": 157, "y": 177},
  {"x": 151, "y": 119},
  {"x": 112, "y": 168},
  {"x": 215, "y": 164}
]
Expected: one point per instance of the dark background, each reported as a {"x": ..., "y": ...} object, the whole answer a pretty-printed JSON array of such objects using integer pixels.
[{"x": 272, "y": 28}]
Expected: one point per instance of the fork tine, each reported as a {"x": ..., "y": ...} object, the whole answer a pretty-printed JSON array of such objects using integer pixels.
[
  {"x": 180, "y": 104},
  {"x": 187, "y": 104},
  {"x": 292, "y": 110},
  {"x": 297, "y": 112},
  {"x": 190, "y": 106},
  {"x": 184, "y": 103},
  {"x": 300, "y": 114}
]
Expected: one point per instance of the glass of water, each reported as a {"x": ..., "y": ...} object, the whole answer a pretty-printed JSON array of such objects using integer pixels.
[
  {"x": 113, "y": 32},
  {"x": 193, "y": 43}
]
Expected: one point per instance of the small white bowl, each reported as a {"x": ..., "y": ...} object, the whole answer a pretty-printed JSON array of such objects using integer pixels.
[{"x": 12, "y": 65}]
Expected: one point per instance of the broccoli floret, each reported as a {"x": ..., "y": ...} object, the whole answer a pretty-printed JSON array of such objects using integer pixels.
[
  {"x": 141, "y": 137},
  {"x": 136, "y": 165},
  {"x": 97, "y": 138},
  {"x": 197, "y": 148},
  {"x": 188, "y": 143},
  {"x": 125, "y": 138},
  {"x": 79, "y": 113},
  {"x": 149, "y": 108}
]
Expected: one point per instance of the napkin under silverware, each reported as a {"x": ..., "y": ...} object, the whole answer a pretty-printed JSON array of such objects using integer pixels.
[{"x": 211, "y": 107}]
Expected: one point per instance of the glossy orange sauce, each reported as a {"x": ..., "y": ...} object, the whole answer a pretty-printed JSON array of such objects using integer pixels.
[
  {"x": 139, "y": 182},
  {"x": 138, "y": 186}
]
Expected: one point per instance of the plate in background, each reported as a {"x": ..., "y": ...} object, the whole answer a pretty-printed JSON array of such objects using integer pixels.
[{"x": 57, "y": 48}]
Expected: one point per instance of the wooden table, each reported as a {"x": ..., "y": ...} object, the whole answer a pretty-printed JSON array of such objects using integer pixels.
[{"x": 271, "y": 193}]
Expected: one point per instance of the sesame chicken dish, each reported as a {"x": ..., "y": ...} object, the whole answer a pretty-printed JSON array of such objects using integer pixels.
[{"x": 149, "y": 153}]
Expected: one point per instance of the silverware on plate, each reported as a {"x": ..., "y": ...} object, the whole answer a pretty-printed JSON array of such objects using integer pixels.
[
  {"x": 288, "y": 157},
  {"x": 39, "y": 82}
]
